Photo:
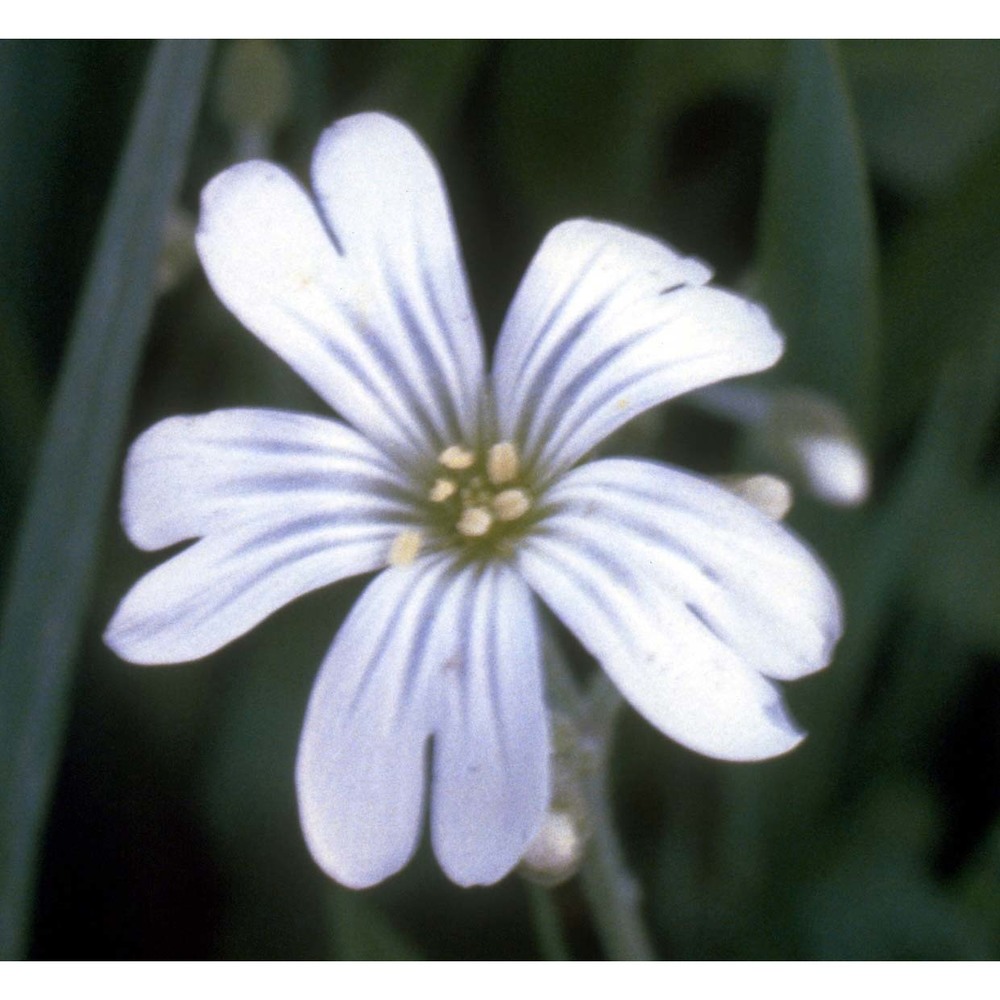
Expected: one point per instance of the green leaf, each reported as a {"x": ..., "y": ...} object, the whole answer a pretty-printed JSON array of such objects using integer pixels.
[
  {"x": 38, "y": 80},
  {"x": 817, "y": 254},
  {"x": 979, "y": 882},
  {"x": 958, "y": 576},
  {"x": 876, "y": 898},
  {"x": 57, "y": 549},
  {"x": 924, "y": 104},
  {"x": 940, "y": 287},
  {"x": 582, "y": 124},
  {"x": 881, "y": 557},
  {"x": 20, "y": 407}
]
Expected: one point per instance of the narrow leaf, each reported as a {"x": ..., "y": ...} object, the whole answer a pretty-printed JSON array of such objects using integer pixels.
[
  {"x": 940, "y": 287},
  {"x": 924, "y": 104},
  {"x": 817, "y": 253},
  {"x": 56, "y": 552}
]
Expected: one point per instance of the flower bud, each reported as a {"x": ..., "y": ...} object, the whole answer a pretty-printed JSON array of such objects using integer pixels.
[
  {"x": 558, "y": 848},
  {"x": 253, "y": 94},
  {"x": 802, "y": 432},
  {"x": 811, "y": 436},
  {"x": 769, "y": 494},
  {"x": 557, "y": 851},
  {"x": 177, "y": 253}
]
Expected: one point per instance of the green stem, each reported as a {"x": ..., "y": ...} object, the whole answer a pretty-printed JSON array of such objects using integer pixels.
[
  {"x": 548, "y": 925},
  {"x": 612, "y": 893}
]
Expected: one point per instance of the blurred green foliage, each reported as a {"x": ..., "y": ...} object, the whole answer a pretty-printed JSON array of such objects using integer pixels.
[{"x": 853, "y": 187}]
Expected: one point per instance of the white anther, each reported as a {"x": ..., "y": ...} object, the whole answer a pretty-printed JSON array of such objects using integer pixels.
[
  {"x": 443, "y": 489},
  {"x": 456, "y": 457},
  {"x": 502, "y": 463},
  {"x": 509, "y": 505},
  {"x": 405, "y": 548},
  {"x": 474, "y": 522}
]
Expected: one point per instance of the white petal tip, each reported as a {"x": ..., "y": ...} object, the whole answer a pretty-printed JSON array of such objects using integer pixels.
[
  {"x": 128, "y": 640},
  {"x": 116, "y": 637},
  {"x": 776, "y": 735},
  {"x": 353, "y": 861},
  {"x": 473, "y": 880},
  {"x": 772, "y": 342},
  {"x": 370, "y": 121},
  {"x": 237, "y": 178},
  {"x": 349, "y": 874}
]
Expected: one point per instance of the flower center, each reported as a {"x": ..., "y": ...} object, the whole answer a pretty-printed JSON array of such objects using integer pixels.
[{"x": 476, "y": 500}]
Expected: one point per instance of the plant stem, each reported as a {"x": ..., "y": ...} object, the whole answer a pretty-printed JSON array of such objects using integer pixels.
[
  {"x": 548, "y": 926},
  {"x": 612, "y": 893}
]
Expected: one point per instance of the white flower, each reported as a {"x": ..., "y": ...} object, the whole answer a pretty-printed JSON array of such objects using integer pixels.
[{"x": 465, "y": 484}]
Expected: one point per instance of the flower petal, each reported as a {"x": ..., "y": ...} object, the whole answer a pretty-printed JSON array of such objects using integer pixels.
[
  {"x": 187, "y": 477},
  {"x": 387, "y": 207},
  {"x": 360, "y": 769},
  {"x": 491, "y": 751},
  {"x": 392, "y": 349},
  {"x": 418, "y": 654},
  {"x": 289, "y": 503},
  {"x": 686, "y": 595},
  {"x": 607, "y": 323}
]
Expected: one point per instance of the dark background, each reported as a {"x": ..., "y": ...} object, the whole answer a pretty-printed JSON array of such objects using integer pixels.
[{"x": 173, "y": 831}]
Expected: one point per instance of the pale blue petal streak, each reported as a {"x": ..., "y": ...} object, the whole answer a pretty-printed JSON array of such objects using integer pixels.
[
  {"x": 491, "y": 752},
  {"x": 283, "y": 503},
  {"x": 688, "y": 597},
  {"x": 386, "y": 205},
  {"x": 366, "y": 300},
  {"x": 425, "y": 652},
  {"x": 605, "y": 324}
]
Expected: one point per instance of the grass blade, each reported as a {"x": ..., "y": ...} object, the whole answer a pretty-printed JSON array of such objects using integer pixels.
[
  {"x": 940, "y": 287},
  {"x": 817, "y": 253},
  {"x": 54, "y": 560}
]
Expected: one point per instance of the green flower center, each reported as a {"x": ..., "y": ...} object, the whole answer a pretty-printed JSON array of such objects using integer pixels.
[{"x": 477, "y": 501}]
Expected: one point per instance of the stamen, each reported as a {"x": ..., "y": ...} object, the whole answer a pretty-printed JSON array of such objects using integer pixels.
[
  {"x": 405, "y": 548},
  {"x": 474, "y": 522},
  {"x": 509, "y": 505},
  {"x": 479, "y": 490},
  {"x": 456, "y": 457},
  {"x": 502, "y": 463},
  {"x": 442, "y": 490}
]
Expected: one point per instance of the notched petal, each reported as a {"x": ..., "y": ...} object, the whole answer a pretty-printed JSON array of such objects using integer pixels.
[
  {"x": 491, "y": 752},
  {"x": 367, "y": 302},
  {"x": 423, "y": 653},
  {"x": 187, "y": 477},
  {"x": 607, "y": 323},
  {"x": 689, "y": 598}
]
